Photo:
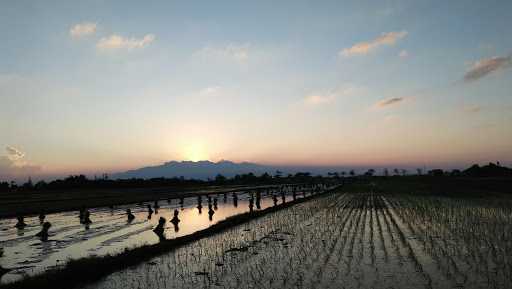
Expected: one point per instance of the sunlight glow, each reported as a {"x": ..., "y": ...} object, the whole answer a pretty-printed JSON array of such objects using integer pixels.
[{"x": 195, "y": 152}]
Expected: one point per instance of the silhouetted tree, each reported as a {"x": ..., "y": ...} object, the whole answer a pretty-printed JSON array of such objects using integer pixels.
[
  {"x": 436, "y": 172},
  {"x": 265, "y": 177},
  {"x": 28, "y": 185},
  {"x": 455, "y": 172},
  {"x": 369, "y": 173},
  {"x": 220, "y": 179},
  {"x": 4, "y": 187}
]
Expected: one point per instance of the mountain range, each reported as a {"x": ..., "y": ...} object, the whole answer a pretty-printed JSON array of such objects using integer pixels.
[{"x": 207, "y": 169}]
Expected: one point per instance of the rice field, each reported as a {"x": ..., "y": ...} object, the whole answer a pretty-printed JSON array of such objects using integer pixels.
[
  {"x": 112, "y": 231},
  {"x": 346, "y": 240}
]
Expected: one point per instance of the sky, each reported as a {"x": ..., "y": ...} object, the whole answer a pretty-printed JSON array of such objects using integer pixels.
[{"x": 104, "y": 85}]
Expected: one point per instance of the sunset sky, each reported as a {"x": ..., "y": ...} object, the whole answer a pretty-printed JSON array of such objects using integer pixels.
[{"x": 103, "y": 85}]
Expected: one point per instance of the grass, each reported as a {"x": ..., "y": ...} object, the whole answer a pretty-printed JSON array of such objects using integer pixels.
[{"x": 87, "y": 270}]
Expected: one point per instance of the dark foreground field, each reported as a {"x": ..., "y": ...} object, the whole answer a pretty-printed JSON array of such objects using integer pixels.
[
  {"x": 378, "y": 233},
  {"x": 361, "y": 238}
]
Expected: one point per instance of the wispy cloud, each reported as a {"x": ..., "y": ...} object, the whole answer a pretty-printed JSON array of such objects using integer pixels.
[
  {"x": 13, "y": 165},
  {"x": 237, "y": 52},
  {"x": 389, "y": 38},
  {"x": 210, "y": 91},
  {"x": 487, "y": 66},
  {"x": 318, "y": 99},
  {"x": 115, "y": 42},
  {"x": 14, "y": 153},
  {"x": 388, "y": 102},
  {"x": 82, "y": 29},
  {"x": 403, "y": 54},
  {"x": 323, "y": 98}
]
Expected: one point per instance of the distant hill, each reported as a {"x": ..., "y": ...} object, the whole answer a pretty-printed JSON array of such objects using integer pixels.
[
  {"x": 196, "y": 170},
  {"x": 207, "y": 169}
]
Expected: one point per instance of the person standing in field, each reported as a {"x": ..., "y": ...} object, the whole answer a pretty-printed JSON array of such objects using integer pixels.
[
  {"x": 150, "y": 212},
  {"x": 43, "y": 234},
  {"x": 235, "y": 200},
  {"x": 159, "y": 230},
  {"x": 87, "y": 220},
  {"x": 175, "y": 220},
  {"x": 210, "y": 212},
  {"x": 131, "y": 217},
  {"x": 251, "y": 204},
  {"x": 21, "y": 222}
]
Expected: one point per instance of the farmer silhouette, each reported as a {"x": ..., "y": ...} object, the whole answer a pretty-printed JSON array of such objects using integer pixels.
[
  {"x": 87, "y": 219},
  {"x": 21, "y": 222},
  {"x": 43, "y": 234},
  {"x": 258, "y": 200},
  {"x": 210, "y": 212},
  {"x": 175, "y": 220},
  {"x": 159, "y": 230},
  {"x": 235, "y": 200},
  {"x": 251, "y": 204},
  {"x": 150, "y": 212},
  {"x": 130, "y": 216}
]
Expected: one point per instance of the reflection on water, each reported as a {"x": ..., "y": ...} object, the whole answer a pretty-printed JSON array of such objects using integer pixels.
[{"x": 110, "y": 230}]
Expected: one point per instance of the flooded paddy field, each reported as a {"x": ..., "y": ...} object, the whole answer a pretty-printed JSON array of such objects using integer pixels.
[
  {"x": 111, "y": 232},
  {"x": 346, "y": 240}
]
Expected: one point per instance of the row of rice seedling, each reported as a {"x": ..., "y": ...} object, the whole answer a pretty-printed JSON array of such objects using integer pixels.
[
  {"x": 336, "y": 241},
  {"x": 468, "y": 238}
]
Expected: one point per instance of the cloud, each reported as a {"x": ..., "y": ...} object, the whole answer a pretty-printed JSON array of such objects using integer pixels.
[
  {"x": 388, "y": 102},
  {"x": 362, "y": 48},
  {"x": 472, "y": 108},
  {"x": 13, "y": 153},
  {"x": 115, "y": 42},
  {"x": 237, "y": 52},
  {"x": 403, "y": 54},
  {"x": 210, "y": 91},
  {"x": 486, "y": 66},
  {"x": 14, "y": 166},
  {"x": 82, "y": 29},
  {"x": 316, "y": 99}
]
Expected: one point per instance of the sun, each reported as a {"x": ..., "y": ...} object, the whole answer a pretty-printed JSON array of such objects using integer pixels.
[{"x": 195, "y": 152}]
